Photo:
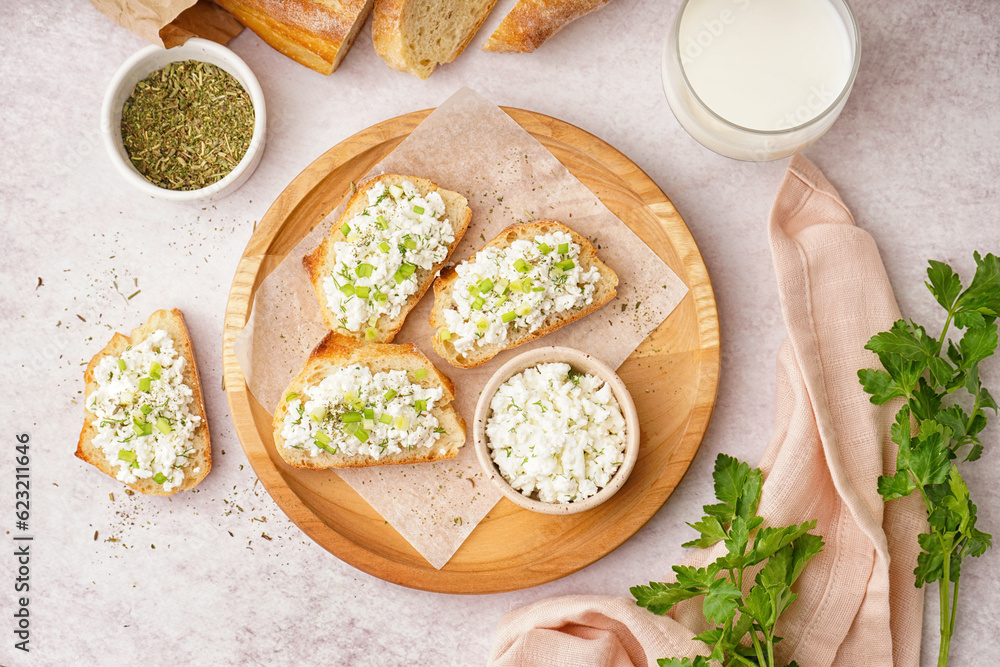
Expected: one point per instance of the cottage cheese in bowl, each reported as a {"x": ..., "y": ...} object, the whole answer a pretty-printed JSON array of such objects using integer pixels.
[{"x": 557, "y": 431}]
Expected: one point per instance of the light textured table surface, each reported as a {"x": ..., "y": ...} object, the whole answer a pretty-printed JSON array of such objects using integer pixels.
[{"x": 220, "y": 576}]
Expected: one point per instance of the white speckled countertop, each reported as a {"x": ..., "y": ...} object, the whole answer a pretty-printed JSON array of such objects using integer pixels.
[{"x": 219, "y": 575}]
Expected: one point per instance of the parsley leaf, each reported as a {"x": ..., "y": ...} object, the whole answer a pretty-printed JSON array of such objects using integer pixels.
[
  {"x": 916, "y": 370},
  {"x": 784, "y": 551}
]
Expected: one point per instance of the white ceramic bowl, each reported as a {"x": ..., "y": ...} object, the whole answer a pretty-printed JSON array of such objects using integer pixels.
[
  {"x": 581, "y": 362},
  {"x": 153, "y": 58}
]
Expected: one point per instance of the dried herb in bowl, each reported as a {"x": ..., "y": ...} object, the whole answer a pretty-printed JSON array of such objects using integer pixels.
[{"x": 187, "y": 125}]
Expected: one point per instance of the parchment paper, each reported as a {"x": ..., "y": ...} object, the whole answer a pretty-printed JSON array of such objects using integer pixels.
[
  {"x": 469, "y": 145},
  {"x": 170, "y": 23}
]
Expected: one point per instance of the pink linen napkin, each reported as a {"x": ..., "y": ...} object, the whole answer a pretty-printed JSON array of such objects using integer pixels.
[{"x": 857, "y": 603}]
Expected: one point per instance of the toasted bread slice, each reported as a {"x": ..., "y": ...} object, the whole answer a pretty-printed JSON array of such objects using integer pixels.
[
  {"x": 314, "y": 33},
  {"x": 531, "y": 22},
  {"x": 480, "y": 354},
  {"x": 416, "y": 37},
  {"x": 336, "y": 351},
  {"x": 320, "y": 262},
  {"x": 171, "y": 321}
]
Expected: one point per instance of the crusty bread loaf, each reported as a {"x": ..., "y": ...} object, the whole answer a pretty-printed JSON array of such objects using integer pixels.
[
  {"x": 320, "y": 262},
  {"x": 531, "y": 22},
  {"x": 171, "y": 321},
  {"x": 314, "y": 33},
  {"x": 416, "y": 36},
  {"x": 479, "y": 355},
  {"x": 337, "y": 351}
]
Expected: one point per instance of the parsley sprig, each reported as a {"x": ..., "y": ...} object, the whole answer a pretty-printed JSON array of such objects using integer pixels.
[
  {"x": 784, "y": 552},
  {"x": 932, "y": 430}
]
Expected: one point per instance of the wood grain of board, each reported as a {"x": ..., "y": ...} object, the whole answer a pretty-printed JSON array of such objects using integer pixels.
[{"x": 673, "y": 376}]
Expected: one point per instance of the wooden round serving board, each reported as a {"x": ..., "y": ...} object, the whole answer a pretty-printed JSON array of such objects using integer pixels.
[{"x": 672, "y": 376}]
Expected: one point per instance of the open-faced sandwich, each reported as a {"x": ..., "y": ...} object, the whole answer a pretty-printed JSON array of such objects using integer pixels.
[
  {"x": 356, "y": 405},
  {"x": 529, "y": 281},
  {"x": 145, "y": 419},
  {"x": 383, "y": 254}
]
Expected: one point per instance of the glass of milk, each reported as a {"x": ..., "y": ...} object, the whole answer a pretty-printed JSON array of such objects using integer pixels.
[{"x": 760, "y": 79}]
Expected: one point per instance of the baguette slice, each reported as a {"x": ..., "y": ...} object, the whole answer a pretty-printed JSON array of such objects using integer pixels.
[
  {"x": 317, "y": 34},
  {"x": 171, "y": 321},
  {"x": 320, "y": 262},
  {"x": 479, "y": 355},
  {"x": 415, "y": 36},
  {"x": 532, "y": 22},
  {"x": 337, "y": 351}
]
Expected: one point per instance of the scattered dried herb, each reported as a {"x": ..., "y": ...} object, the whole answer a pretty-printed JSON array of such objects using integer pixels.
[{"x": 187, "y": 125}]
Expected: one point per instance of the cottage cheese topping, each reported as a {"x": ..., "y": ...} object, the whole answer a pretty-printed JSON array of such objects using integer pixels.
[
  {"x": 356, "y": 412},
  {"x": 556, "y": 433},
  {"x": 399, "y": 233},
  {"x": 514, "y": 289},
  {"x": 144, "y": 423}
]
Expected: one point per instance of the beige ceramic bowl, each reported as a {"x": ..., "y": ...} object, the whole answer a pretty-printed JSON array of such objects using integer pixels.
[{"x": 581, "y": 362}]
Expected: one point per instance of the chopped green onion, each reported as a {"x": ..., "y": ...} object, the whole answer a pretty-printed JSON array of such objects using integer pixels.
[
  {"x": 121, "y": 364},
  {"x": 350, "y": 417},
  {"x": 351, "y": 429},
  {"x": 503, "y": 286},
  {"x": 373, "y": 320},
  {"x": 391, "y": 394},
  {"x": 522, "y": 265},
  {"x": 163, "y": 426},
  {"x": 361, "y": 435},
  {"x": 126, "y": 455},
  {"x": 371, "y": 333},
  {"x": 395, "y": 191},
  {"x": 473, "y": 291},
  {"x": 543, "y": 248},
  {"x": 350, "y": 397},
  {"x": 381, "y": 297},
  {"x": 345, "y": 229},
  {"x": 420, "y": 373},
  {"x": 361, "y": 291},
  {"x": 507, "y": 317},
  {"x": 385, "y": 418},
  {"x": 501, "y": 301},
  {"x": 318, "y": 416},
  {"x": 324, "y": 446},
  {"x": 526, "y": 284},
  {"x": 359, "y": 406},
  {"x": 143, "y": 384},
  {"x": 364, "y": 270},
  {"x": 408, "y": 269},
  {"x": 159, "y": 478},
  {"x": 369, "y": 413},
  {"x": 402, "y": 423},
  {"x": 563, "y": 248},
  {"x": 485, "y": 285},
  {"x": 524, "y": 310},
  {"x": 483, "y": 324},
  {"x": 322, "y": 437},
  {"x": 410, "y": 244},
  {"x": 384, "y": 246},
  {"x": 347, "y": 290},
  {"x": 478, "y": 303},
  {"x": 420, "y": 405},
  {"x": 154, "y": 370},
  {"x": 444, "y": 334},
  {"x": 419, "y": 210},
  {"x": 382, "y": 222},
  {"x": 537, "y": 289},
  {"x": 146, "y": 409},
  {"x": 291, "y": 397},
  {"x": 566, "y": 264},
  {"x": 399, "y": 276}
]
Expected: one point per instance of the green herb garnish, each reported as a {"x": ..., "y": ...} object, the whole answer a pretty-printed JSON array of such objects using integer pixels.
[
  {"x": 784, "y": 553},
  {"x": 917, "y": 371}
]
